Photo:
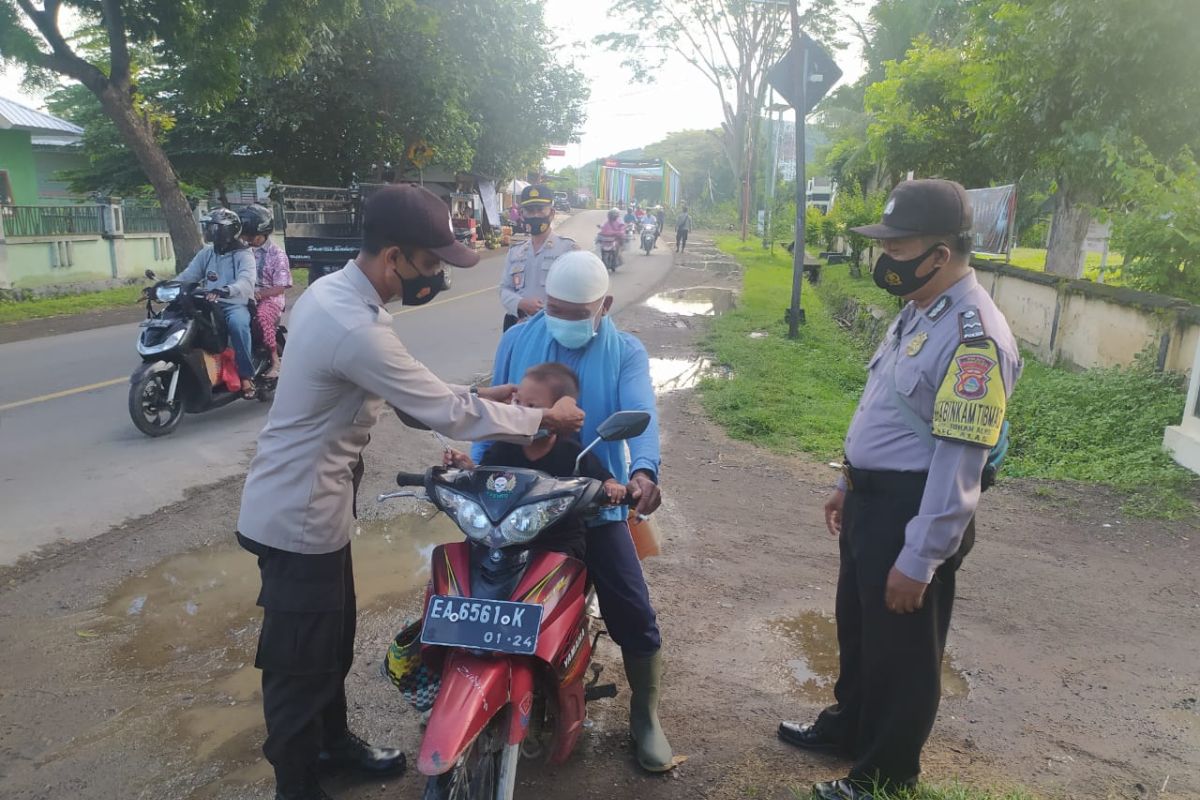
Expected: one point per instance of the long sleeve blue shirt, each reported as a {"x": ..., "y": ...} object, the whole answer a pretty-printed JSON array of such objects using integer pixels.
[{"x": 634, "y": 392}]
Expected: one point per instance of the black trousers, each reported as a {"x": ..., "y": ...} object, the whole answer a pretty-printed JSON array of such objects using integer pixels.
[
  {"x": 305, "y": 652},
  {"x": 889, "y": 684},
  {"x": 616, "y": 573},
  {"x": 681, "y": 238}
]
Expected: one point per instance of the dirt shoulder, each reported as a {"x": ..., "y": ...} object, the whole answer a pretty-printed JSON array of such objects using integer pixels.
[{"x": 124, "y": 661}]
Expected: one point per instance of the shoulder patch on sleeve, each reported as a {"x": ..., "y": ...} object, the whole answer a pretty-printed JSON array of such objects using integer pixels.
[{"x": 971, "y": 401}]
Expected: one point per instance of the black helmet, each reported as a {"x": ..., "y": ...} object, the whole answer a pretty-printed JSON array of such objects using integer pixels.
[
  {"x": 613, "y": 213},
  {"x": 221, "y": 228},
  {"x": 257, "y": 220}
]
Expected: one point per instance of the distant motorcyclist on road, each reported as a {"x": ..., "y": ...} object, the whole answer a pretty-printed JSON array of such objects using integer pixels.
[
  {"x": 615, "y": 229},
  {"x": 225, "y": 270}
]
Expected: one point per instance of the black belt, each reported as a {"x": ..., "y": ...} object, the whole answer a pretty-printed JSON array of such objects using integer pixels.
[{"x": 876, "y": 481}]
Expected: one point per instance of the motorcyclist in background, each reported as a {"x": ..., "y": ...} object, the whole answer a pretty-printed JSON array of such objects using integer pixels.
[
  {"x": 615, "y": 228},
  {"x": 273, "y": 276},
  {"x": 225, "y": 269}
]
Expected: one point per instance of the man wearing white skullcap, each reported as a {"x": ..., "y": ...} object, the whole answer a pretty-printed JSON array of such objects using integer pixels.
[{"x": 614, "y": 375}]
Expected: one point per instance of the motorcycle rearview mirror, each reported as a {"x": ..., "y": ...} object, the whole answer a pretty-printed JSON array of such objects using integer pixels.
[
  {"x": 150, "y": 274},
  {"x": 621, "y": 425}
]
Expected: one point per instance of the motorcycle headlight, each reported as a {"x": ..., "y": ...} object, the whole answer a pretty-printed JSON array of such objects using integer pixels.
[
  {"x": 528, "y": 521},
  {"x": 469, "y": 515},
  {"x": 168, "y": 343},
  {"x": 166, "y": 294}
]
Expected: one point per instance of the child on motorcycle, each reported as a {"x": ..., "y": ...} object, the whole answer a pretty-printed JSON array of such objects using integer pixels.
[
  {"x": 541, "y": 387},
  {"x": 273, "y": 279}
]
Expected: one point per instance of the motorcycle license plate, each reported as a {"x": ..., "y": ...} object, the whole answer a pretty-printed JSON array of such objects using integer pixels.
[
  {"x": 156, "y": 323},
  {"x": 498, "y": 625}
]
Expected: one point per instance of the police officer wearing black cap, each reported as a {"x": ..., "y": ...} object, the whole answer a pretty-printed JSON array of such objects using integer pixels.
[
  {"x": 523, "y": 285},
  {"x": 904, "y": 509},
  {"x": 343, "y": 364}
]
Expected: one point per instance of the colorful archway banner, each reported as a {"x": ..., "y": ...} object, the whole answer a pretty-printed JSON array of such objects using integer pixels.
[{"x": 617, "y": 182}]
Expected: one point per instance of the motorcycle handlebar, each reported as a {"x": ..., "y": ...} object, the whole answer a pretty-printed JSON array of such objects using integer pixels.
[{"x": 410, "y": 479}]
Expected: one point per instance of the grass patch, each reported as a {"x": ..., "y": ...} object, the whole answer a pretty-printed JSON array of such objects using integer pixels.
[
  {"x": 787, "y": 395},
  {"x": 17, "y": 310},
  {"x": 1034, "y": 259},
  {"x": 89, "y": 302},
  {"x": 1101, "y": 426},
  {"x": 954, "y": 791}
]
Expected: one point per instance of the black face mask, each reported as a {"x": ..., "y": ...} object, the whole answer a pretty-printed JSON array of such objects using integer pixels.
[
  {"x": 900, "y": 277},
  {"x": 537, "y": 225},
  {"x": 419, "y": 290}
]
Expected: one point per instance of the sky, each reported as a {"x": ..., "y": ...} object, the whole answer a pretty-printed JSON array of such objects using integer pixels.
[{"x": 621, "y": 115}]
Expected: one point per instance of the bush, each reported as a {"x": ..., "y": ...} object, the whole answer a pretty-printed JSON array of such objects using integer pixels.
[
  {"x": 813, "y": 220},
  {"x": 1160, "y": 233},
  {"x": 1035, "y": 235}
]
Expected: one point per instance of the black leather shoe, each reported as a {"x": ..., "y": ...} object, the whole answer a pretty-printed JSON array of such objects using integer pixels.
[
  {"x": 351, "y": 752},
  {"x": 839, "y": 790},
  {"x": 806, "y": 735}
]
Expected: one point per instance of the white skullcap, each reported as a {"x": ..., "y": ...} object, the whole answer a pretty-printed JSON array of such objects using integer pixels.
[{"x": 577, "y": 277}]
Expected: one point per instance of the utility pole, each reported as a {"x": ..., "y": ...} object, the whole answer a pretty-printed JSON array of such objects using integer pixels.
[{"x": 795, "y": 316}]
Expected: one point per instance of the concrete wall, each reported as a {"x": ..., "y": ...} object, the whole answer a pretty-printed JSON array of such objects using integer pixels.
[
  {"x": 16, "y": 158},
  {"x": 36, "y": 262},
  {"x": 1092, "y": 325}
]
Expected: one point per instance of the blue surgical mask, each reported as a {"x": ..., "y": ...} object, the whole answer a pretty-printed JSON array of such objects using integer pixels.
[{"x": 571, "y": 333}]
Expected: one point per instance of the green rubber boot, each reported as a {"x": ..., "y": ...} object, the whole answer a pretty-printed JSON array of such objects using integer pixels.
[{"x": 644, "y": 674}]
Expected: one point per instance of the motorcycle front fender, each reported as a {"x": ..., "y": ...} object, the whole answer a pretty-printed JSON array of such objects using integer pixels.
[
  {"x": 473, "y": 690},
  {"x": 150, "y": 368}
]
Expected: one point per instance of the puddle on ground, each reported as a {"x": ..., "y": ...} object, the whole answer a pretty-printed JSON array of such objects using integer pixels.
[
  {"x": 191, "y": 623},
  {"x": 673, "y": 374},
  {"x": 813, "y": 674},
  {"x": 200, "y": 604},
  {"x": 698, "y": 301}
]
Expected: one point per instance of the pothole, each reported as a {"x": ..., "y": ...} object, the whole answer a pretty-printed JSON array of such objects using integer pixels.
[
  {"x": 815, "y": 669},
  {"x": 698, "y": 301}
]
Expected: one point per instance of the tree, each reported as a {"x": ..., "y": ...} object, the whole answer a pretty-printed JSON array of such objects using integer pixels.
[
  {"x": 1072, "y": 88},
  {"x": 206, "y": 43},
  {"x": 732, "y": 43},
  {"x": 922, "y": 120},
  {"x": 518, "y": 96},
  {"x": 698, "y": 156},
  {"x": 892, "y": 27},
  {"x": 1159, "y": 232}
]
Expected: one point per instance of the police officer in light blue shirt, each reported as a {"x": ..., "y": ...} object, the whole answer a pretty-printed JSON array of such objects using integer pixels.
[
  {"x": 523, "y": 284},
  {"x": 904, "y": 509}
]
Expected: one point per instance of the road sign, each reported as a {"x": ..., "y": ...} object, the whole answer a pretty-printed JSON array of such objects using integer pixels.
[
  {"x": 556, "y": 151},
  {"x": 823, "y": 73}
]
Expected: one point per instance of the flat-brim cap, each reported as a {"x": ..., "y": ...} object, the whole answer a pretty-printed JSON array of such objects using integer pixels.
[
  {"x": 921, "y": 208},
  {"x": 413, "y": 215}
]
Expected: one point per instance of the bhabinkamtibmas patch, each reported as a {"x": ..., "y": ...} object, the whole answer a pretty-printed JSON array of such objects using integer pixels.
[{"x": 971, "y": 402}]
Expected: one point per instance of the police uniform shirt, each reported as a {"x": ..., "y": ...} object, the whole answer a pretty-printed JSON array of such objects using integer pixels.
[
  {"x": 343, "y": 364},
  {"x": 909, "y": 366},
  {"x": 525, "y": 270}
]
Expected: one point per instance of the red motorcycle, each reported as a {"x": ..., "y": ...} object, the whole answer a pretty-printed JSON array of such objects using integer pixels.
[{"x": 507, "y": 629}]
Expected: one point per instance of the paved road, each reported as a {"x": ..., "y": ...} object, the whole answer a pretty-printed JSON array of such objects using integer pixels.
[{"x": 72, "y": 465}]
